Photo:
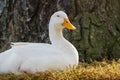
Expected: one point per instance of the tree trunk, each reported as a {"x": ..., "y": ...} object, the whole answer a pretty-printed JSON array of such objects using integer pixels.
[{"x": 97, "y": 21}]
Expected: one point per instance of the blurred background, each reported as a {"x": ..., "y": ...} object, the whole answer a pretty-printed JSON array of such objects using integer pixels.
[{"x": 97, "y": 36}]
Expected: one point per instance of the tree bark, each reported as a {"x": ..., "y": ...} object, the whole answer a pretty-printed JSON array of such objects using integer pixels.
[{"x": 97, "y": 21}]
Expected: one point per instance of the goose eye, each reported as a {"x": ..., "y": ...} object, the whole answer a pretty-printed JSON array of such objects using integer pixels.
[{"x": 58, "y": 16}]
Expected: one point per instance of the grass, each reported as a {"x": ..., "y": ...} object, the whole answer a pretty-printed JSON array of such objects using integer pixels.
[{"x": 105, "y": 70}]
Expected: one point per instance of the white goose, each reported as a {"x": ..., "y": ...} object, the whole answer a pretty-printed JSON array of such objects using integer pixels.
[{"x": 37, "y": 57}]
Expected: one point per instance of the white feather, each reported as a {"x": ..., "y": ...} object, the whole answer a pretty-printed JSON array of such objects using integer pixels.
[{"x": 37, "y": 57}]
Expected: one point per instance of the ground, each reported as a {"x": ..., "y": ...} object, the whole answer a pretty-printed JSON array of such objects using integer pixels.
[{"x": 105, "y": 70}]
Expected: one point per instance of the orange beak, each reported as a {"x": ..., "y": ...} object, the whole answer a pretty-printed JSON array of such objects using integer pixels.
[{"x": 68, "y": 25}]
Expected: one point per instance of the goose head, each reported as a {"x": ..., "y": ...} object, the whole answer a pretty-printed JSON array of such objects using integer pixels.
[{"x": 59, "y": 20}]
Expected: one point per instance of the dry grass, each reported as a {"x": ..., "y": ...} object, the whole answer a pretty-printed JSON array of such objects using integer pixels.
[{"x": 95, "y": 71}]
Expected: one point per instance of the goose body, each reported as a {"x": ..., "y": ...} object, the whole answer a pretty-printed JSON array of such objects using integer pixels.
[{"x": 37, "y": 57}]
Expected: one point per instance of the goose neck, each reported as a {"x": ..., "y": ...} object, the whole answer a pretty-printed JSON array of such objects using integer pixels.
[{"x": 55, "y": 34}]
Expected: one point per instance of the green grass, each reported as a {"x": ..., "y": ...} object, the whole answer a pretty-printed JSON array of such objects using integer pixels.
[{"x": 105, "y": 70}]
